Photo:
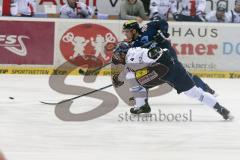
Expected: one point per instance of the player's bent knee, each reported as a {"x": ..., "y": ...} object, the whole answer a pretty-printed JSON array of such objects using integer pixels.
[
  {"x": 202, "y": 96},
  {"x": 194, "y": 92},
  {"x": 138, "y": 92},
  {"x": 136, "y": 89}
]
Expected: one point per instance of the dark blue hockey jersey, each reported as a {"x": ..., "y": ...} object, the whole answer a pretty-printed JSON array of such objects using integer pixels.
[{"x": 149, "y": 31}]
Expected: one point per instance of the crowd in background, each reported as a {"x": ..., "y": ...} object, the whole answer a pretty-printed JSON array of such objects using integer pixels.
[
  {"x": 189, "y": 10},
  {"x": 140, "y": 10}
]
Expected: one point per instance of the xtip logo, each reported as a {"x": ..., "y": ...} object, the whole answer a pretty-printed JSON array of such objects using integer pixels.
[
  {"x": 88, "y": 42},
  {"x": 14, "y": 44}
]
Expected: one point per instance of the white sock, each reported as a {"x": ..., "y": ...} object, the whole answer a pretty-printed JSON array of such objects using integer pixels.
[
  {"x": 202, "y": 96},
  {"x": 140, "y": 101}
]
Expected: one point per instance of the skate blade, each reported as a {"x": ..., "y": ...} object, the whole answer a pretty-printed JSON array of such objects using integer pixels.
[
  {"x": 215, "y": 94},
  {"x": 230, "y": 118}
]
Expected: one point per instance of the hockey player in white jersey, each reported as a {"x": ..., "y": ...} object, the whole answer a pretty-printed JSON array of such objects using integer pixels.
[
  {"x": 146, "y": 68},
  {"x": 23, "y": 8},
  {"x": 162, "y": 8},
  {"x": 75, "y": 9},
  {"x": 192, "y": 10},
  {"x": 235, "y": 14},
  {"x": 219, "y": 15}
]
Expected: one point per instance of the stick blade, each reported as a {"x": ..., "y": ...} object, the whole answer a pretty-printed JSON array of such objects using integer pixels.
[
  {"x": 49, "y": 103},
  {"x": 55, "y": 103}
]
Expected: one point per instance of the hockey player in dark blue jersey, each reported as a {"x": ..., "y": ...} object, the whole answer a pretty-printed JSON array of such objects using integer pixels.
[
  {"x": 156, "y": 30},
  {"x": 157, "y": 66}
]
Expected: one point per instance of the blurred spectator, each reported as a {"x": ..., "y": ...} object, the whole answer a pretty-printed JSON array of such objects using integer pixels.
[
  {"x": 2, "y": 156},
  {"x": 23, "y": 8},
  {"x": 5, "y": 8},
  {"x": 235, "y": 14},
  {"x": 220, "y": 14},
  {"x": 192, "y": 10},
  {"x": 146, "y": 4},
  {"x": 75, "y": 9},
  {"x": 161, "y": 9},
  {"x": 132, "y": 10}
]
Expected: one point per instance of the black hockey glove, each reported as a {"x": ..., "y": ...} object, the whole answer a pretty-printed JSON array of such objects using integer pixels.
[
  {"x": 155, "y": 53},
  {"x": 160, "y": 37},
  {"x": 155, "y": 16},
  {"x": 116, "y": 82}
]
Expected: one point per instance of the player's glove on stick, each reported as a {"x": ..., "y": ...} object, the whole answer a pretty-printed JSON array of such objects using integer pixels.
[
  {"x": 116, "y": 82},
  {"x": 160, "y": 37}
]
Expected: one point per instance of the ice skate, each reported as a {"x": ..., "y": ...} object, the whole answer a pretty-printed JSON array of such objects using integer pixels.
[
  {"x": 223, "y": 111},
  {"x": 139, "y": 110}
]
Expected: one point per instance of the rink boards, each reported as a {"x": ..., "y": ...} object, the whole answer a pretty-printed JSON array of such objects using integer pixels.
[
  {"x": 40, "y": 46},
  {"x": 104, "y": 72}
]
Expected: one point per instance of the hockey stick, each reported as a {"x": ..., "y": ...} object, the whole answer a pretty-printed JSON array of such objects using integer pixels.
[
  {"x": 70, "y": 99},
  {"x": 94, "y": 71}
]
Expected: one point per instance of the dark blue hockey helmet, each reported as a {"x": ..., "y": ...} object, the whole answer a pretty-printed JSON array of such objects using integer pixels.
[
  {"x": 122, "y": 47},
  {"x": 119, "y": 53}
]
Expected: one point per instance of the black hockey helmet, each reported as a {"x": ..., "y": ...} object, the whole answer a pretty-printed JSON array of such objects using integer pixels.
[{"x": 132, "y": 24}]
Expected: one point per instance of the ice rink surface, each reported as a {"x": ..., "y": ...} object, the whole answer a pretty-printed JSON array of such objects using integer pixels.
[{"x": 30, "y": 130}]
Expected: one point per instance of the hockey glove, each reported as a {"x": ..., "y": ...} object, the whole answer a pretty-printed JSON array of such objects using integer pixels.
[
  {"x": 155, "y": 16},
  {"x": 156, "y": 53},
  {"x": 116, "y": 82},
  {"x": 160, "y": 37},
  {"x": 115, "y": 60}
]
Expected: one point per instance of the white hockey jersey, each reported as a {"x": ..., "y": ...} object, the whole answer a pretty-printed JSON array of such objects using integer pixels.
[
  {"x": 23, "y": 7},
  {"x": 211, "y": 17},
  {"x": 81, "y": 11},
  {"x": 193, "y": 7},
  {"x": 162, "y": 8},
  {"x": 234, "y": 16},
  {"x": 136, "y": 59}
]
